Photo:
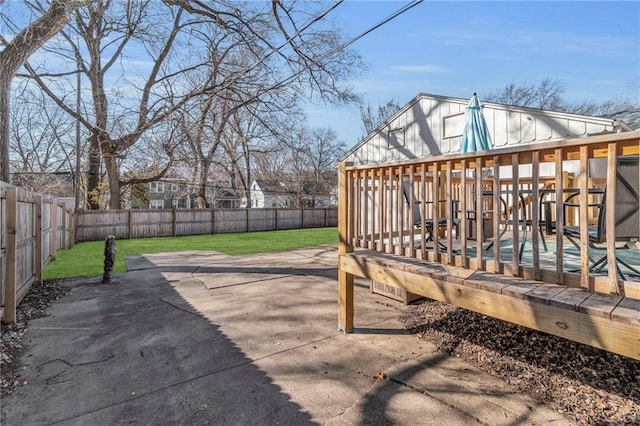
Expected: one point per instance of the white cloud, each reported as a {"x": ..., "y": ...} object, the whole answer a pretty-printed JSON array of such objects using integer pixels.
[{"x": 425, "y": 68}]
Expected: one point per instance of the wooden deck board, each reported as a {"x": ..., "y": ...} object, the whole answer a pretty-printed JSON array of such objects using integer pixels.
[
  {"x": 520, "y": 289},
  {"x": 488, "y": 281},
  {"x": 494, "y": 287},
  {"x": 600, "y": 304},
  {"x": 569, "y": 298},
  {"x": 544, "y": 293},
  {"x": 627, "y": 311},
  {"x": 603, "y": 321}
]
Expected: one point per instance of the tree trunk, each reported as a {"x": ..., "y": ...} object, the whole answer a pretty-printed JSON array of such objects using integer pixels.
[
  {"x": 14, "y": 55},
  {"x": 93, "y": 174},
  {"x": 111, "y": 164},
  {"x": 202, "y": 186}
]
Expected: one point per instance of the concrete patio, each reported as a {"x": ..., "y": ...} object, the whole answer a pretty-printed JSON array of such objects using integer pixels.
[{"x": 206, "y": 338}]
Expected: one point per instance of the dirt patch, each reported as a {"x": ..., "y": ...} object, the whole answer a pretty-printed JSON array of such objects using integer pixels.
[
  {"x": 34, "y": 305},
  {"x": 585, "y": 384}
]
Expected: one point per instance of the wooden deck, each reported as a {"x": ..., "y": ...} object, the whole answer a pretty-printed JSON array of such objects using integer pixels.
[
  {"x": 379, "y": 240},
  {"x": 604, "y": 321}
]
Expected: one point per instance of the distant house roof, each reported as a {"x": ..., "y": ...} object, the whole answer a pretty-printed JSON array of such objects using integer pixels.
[
  {"x": 270, "y": 186},
  {"x": 226, "y": 194},
  {"x": 631, "y": 117}
]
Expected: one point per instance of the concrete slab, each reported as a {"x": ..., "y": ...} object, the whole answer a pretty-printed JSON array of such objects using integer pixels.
[{"x": 195, "y": 338}]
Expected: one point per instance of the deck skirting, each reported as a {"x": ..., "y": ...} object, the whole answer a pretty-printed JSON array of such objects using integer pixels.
[{"x": 604, "y": 321}]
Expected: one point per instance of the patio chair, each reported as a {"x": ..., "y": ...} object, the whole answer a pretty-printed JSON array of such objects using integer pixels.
[
  {"x": 545, "y": 215},
  {"x": 487, "y": 216},
  {"x": 428, "y": 223},
  {"x": 627, "y": 220}
]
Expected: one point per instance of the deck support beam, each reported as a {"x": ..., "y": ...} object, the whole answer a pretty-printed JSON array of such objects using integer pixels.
[
  {"x": 345, "y": 245},
  {"x": 606, "y": 322}
]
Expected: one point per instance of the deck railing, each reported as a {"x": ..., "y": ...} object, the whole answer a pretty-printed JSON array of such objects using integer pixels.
[{"x": 430, "y": 209}]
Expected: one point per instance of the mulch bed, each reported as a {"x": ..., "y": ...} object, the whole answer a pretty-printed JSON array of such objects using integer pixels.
[{"x": 585, "y": 384}]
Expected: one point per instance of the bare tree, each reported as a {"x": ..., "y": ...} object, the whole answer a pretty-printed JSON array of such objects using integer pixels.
[
  {"x": 313, "y": 157},
  {"x": 202, "y": 130},
  {"x": 114, "y": 124},
  {"x": 548, "y": 94},
  {"x": 175, "y": 38},
  {"x": 41, "y": 134},
  {"x": 15, "y": 54},
  {"x": 372, "y": 117},
  {"x": 244, "y": 136}
]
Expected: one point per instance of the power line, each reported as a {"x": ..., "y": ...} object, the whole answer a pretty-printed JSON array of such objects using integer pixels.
[{"x": 326, "y": 55}]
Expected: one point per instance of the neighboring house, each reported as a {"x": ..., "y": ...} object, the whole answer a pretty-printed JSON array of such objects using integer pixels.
[
  {"x": 268, "y": 193},
  {"x": 431, "y": 125},
  {"x": 322, "y": 194},
  {"x": 272, "y": 193},
  {"x": 168, "y": 194},
  {"x": 225, "y": 200},
  {"x": 58, "y": 184},
  {"x": 175, "y": 193}
]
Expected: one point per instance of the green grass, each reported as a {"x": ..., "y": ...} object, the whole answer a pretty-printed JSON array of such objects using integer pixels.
[{"x": 87, "y": 259}]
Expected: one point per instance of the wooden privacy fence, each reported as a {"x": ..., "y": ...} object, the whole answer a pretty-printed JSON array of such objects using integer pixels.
[
  {"x": 125, "y": 224},
  {"x": 33, "y": 228}
]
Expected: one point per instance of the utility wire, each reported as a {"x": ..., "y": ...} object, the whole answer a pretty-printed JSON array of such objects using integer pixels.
[
  {"x": 290, "y": 38},
  {"x": 326, "y": 55}
]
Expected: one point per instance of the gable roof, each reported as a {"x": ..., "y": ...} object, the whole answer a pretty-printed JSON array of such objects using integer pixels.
[
  {"x": 269, "y": 186},
  {"x": 408, "y": 115},
  {"x": 630, "y": 117}
]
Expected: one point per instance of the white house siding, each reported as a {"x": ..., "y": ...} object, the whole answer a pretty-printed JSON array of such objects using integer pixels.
[
  {"x": 257, "y": 199},
  {"x": 432, "y": 125}
]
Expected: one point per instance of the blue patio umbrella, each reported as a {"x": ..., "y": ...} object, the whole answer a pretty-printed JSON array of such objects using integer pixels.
[{"x": 475, "y": 136}]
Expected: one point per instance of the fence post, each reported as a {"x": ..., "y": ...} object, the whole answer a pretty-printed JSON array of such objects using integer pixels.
[
  {"x": 345, "y": 280},
  {"x": 63, "y": 225},
  {"x": 39, "y": 236},
  {"x": 11, "y": 252},
  {"x": 173, "y": 222},
  {"x": 247, "y": 210},
  {"x": 73, "y": 228},
  {"x": 213, "y": 221},
  {"x": 129, "y": 224},
  {"x": 277, "y": 225},
  {"x": 53, "y": 240}
]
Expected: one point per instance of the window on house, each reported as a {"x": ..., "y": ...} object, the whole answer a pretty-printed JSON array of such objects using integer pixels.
[
  {"x": 156, "y": 186},
  {"x": 174, "y": 187},
  {"x": 395, "y": 137},
  {"x": 175, "y": 203},
  {"x": 156, "y": 204},
  {"x": 453, "y": 125}
]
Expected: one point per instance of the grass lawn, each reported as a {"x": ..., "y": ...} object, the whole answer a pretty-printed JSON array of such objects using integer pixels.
[{"x": 87, "y": 259}]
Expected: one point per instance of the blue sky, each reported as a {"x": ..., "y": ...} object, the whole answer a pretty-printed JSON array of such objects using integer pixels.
[{"x": 455, "y": 48}]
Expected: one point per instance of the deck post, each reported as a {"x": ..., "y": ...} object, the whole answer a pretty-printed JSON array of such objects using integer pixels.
[{"x": 345, "y": 279}]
